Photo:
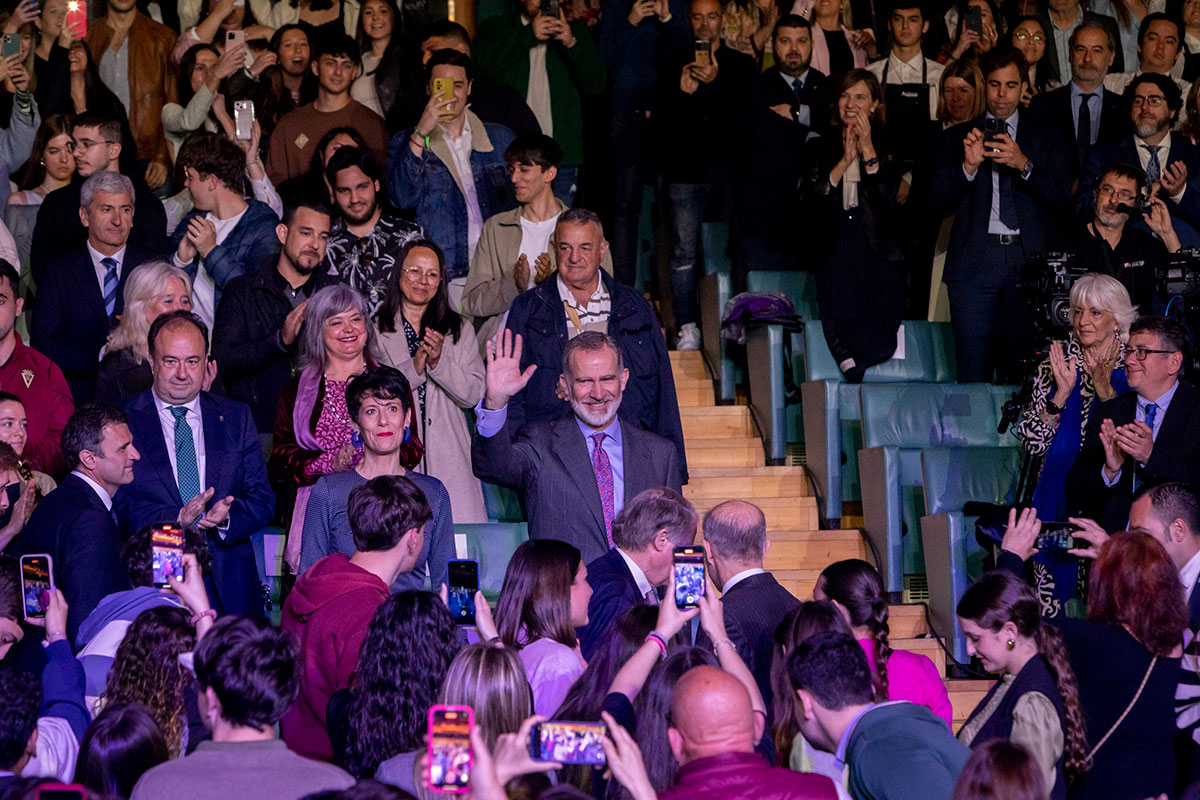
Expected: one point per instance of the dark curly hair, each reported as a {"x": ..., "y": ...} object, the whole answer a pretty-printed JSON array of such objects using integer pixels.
[
  {"x": 137, "y": 554},
  {"x": 146, "y": 669},
  {"x": 409, "y": 646}
]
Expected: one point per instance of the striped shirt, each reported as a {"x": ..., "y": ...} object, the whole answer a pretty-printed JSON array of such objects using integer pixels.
[{"x": 590, "y": 317}]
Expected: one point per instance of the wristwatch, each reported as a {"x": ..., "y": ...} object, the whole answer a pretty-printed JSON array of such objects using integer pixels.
[
  {"x": 1025, "y": 173},
  {"x": 1051, "y": 408}
]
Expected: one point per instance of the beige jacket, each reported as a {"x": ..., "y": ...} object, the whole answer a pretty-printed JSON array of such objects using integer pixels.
[{"x": 456, "y": 383}]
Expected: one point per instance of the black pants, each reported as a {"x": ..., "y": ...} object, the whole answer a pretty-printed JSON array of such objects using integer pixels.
[{"x": 988, "y": 315}]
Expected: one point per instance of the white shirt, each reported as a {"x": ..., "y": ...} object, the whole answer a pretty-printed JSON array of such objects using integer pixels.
[
  {"x": 195, "y": 421},
  {"x": 460, "y": 151},
  {"x": 204, "y": 288},
  {"x": 100, "y": 269},
  {"x": 537, "y": 96},
  {"x": 901, "y": 72},
  {"x": 1189, "y": 575},
  {"x": 639, "y": 577},
  {"x": 104, "y": 496},
  {"x": 741, "y": 576},
  {"x": 535, "y": 239}
]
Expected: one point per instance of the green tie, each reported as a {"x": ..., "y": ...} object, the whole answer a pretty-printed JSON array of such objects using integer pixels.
[{"x": 186, "y": 470}]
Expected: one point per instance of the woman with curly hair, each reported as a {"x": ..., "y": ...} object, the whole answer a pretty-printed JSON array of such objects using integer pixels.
[
  {"x": 409, "y": 646},
  {"x": 1036, "y": 701},
  {"x": 855, "y": 588},
  {"x": 147, "y": 670}
]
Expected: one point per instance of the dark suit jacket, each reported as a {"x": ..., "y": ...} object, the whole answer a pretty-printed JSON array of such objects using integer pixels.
[
  {"x": 69, "y": 321},
  {"x": 550, "y": 465},
  {"x": 1049, "y": 62},
  {"x": 1124, "y": 151},
  {"x": 614, "y": 591},
  {"x": 1055, "y": 109},
  {"x": 1176, "y": 457},
  {"x": 80, "y": 534},
  {"x": 233, "y": 466},
  {"x": 1037, "y": 200}
]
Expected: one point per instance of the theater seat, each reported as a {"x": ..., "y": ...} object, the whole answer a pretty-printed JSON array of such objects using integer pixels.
[
  {"x": 713, "y": 292},
  {"x": 953, "y": 558},
  {"x": 898, "y": 422},
  {"x": 492, "y": 545}
]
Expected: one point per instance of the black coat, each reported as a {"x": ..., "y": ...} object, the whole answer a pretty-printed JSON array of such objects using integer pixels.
[
  {"x": 1124, "y": 151},
  {"x": 614, "y": 591},
  {"x": 1055, "y": 109}
]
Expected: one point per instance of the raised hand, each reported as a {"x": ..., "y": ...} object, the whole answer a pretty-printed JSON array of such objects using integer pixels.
[
  {"x": 504, "y": 376},
  {"x": 1114, "y": 456},
  {"x": 1136, "y": 439},
  {"x": 192, "y": 510},
  {"x": 1020, "y": 537},
  {"x": 521, "y": 273},
  {"x": 1091, "y": 533},
  {"x": 973, "y": 151},
  {"x": 1066, "y": 372}
]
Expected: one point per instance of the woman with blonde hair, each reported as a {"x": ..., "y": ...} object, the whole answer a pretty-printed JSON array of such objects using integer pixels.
[{"x": 153, "y": 288}]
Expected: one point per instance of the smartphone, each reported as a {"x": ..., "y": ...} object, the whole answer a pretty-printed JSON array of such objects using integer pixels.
[
  {"x": 1057, "y": 536},
  {"x": 550, "y": 8},
  {"x": 461, "y": 586},
  {"x": 992, "y": 128},
  {"x": 444, "y": 89},
  {"x": 567, "y": 742},
  {"x": 704, "y": 52},
  {"x": 450, "y": 748},
  {"x": 166, "y": 553},
  {"x": 37, "y": 580},
  {"x": 77, "y": 16},
  {"x": 233, "y": 38},
  {"x": 689, "y": 576},
  {"x": 61, "y": 791},
  {"x": 243, "y": 119},
  {"x": 10, "y": 44},
  {"x": 973, "y": 19}
]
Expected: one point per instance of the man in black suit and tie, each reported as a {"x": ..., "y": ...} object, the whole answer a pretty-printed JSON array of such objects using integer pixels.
[
  {"x": 1142, "y": 438},
  {"x": 574, "y": 472},
  {"x": 645, "y": 535},
  {"x": 735, "y": 541},
  {"x": 1083, "y": 111},
  {"x": 80, "y": 294},
  {"x": 1003, "y": 176},
  {"x": 1060, "y": 19},
  {"x": 75, "y": 523},
  {"x": 191, "y": 439}
]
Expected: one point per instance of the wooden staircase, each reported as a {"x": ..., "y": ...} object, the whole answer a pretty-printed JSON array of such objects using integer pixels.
[{"x": 726, "y": 460}]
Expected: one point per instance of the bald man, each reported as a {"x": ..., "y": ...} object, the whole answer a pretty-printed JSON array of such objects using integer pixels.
[
  {"x": 712, "y": 736},
  {"x": 735, "y": 538}
]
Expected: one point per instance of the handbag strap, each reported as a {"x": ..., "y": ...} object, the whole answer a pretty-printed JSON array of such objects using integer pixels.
[{"x": 1128, "y": 708}]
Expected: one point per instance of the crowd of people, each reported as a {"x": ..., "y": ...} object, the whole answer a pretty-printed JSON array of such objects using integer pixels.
[{"x": 331, "y": 267}]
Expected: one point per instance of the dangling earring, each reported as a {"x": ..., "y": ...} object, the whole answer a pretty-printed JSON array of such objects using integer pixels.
[
  {"x": 1010, "y": 644},
  {"x": 356, "y": 439}
]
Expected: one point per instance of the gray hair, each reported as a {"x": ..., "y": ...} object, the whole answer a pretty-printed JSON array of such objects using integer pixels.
[
  {"x": 580, "y": 216},
  {"x": 590, "y": 342},
  {"x": 105, "y": 181},
  {"x": 146, "y": 282},
  {"x": 329, "y": 302},
  {"x": 1107, "y": 293},
  {"x": 736, "y": 529},
  {"x": 648, "y": 513}
]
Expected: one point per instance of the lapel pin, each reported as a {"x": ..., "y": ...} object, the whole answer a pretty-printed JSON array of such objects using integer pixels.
[{"x": 27, "y": 376}]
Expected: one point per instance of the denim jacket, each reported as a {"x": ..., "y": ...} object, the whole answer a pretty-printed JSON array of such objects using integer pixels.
[{"x": 429, "y": 185}]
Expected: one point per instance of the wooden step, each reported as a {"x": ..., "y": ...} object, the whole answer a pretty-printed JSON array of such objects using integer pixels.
[
  {"x": 688, "y": 364},
  {"x": 744, "y": 452},
  {"x": 925, "y": 646},
  {"x": 812, "y": 549},
  {"x": 782, "y": 513},
  {"x": 907, "y": 620},
  {"x": 716, "y": 421},
  {"x": 745, "y": 483},
  {"x": 697, "y": 395},
  {"x": 965, "y": 695},
  {"x": 684, "y": 382}
]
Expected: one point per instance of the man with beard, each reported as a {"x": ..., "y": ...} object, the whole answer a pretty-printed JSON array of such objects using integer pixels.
[
  {"x": 226, "y": 235},
  {"x": 571, "y": 472},
  {"x": 1108, "y": 244},
  {"x": 256, "y": 338},
  {"x": 364, "y": 241}
]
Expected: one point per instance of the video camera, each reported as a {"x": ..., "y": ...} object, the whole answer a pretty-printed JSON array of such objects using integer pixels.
[{"x": 1046, "y": 287}]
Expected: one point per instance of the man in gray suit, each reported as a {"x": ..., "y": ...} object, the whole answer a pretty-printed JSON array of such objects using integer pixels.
[{"x": 575, "y": 472}]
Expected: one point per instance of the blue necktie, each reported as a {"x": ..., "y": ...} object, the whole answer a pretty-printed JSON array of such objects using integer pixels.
[
  {"x": 1151, "y": 413},
  {"x": 110, "y": 285},
  {"x": 1153, "y": 167},
  {"x": 187, "y": 471}
]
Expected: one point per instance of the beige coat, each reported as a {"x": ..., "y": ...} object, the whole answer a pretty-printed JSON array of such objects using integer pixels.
[{"x": 456, "y": 383}]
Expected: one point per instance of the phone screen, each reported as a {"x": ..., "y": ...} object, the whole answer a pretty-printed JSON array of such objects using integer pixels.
[
  {"x": 549, "y": 8},
  {"x": 1057, "y": 536},
  {"x": 35, "y": 584},
  {"x": 567, "y": 742},
  {"x": 450, "y": 748},
  {"x": 703, "y": 53},
  {"x": 166, "y": 553},
  {"x": 462, "y": 583},
  {"x": 689, "y": 576}
]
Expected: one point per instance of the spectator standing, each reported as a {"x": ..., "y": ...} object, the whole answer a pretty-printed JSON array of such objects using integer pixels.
[
  {"x": 1060, "y": 19},
  {"x": 1159, "y": 43},
  {"x": 53, "y": 167},
  {"x": 201, "y": 70},
  {"x": 288, "y": 83},
  {"x": 380, "y": 44},
  {"x": 321, "y": 18},
  {"x": 836, "y": 48}
]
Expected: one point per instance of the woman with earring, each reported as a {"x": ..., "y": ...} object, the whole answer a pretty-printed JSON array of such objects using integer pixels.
[
  {"x": 851, "y": 197},
  {"x": 1088, "y": 368},
  {"x": 379, "y": 402},
  {"x": 1036, "y": 701},
  {"x": 425, "y": 339}
]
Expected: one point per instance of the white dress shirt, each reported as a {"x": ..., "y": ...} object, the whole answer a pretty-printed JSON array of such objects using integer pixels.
[
  {"x": 1189, "y": 575},
  {"x": 741, "y": 576},
  {"x": 104, "y": 496},
  {"x": 902, "y": 72},
  {"x": 639, "y": 577},
  {"x": 195, "y": 421}
]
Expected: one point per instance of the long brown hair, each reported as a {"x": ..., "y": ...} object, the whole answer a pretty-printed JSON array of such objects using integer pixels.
[
  {"x": 535, "y": 599},
  {"x": 848, "y": 79},
  {"x": 1133, "y": 583},
  {"x": 856, "y": 585},
  {"x": 35, "y": 168},
  {"x": 1000, "y": 597},
  {"x": 1000, "y": 770}
]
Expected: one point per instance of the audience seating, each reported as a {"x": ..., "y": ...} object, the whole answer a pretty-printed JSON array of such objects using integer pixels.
[
  {"x": 492, "y": 545},
  {"x": 898, "y": 421},
  {"x": 953, "y": 477}
]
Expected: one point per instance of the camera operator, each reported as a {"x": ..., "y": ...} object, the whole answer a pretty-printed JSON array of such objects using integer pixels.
[{"x": 1111, "y": 245}]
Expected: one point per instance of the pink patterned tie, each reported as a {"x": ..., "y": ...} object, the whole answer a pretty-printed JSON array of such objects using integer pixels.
[{"x": 604, "y": 482}]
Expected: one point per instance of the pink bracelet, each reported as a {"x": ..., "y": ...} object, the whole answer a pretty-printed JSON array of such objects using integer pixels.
[
  {"x": 212, "y": 612},
  {"x": 656, "y": 637}
]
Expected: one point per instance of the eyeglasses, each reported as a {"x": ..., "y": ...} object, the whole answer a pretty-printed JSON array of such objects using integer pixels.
[
  {"x": 1021, "y": 37},
  {"x": 1154, "y": 100},
  {"x": 1140, "y": 353},
  {"x": 1122, "y": 195},
  {"x": 88, "y": 144},
  {"x": 429, "y": 275}
]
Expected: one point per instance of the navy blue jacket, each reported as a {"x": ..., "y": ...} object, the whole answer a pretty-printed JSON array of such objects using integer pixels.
[
  {"x": 649, "y": 399},
  {"x": 614, "y": 591},
  {"x": 233, "y": 466},
  {"x": 251, "y": 241}
]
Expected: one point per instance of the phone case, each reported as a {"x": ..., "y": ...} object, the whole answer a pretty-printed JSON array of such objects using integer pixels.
[
  {"x": 77, "y": 14},
  {"x": 446, "y": 757}
]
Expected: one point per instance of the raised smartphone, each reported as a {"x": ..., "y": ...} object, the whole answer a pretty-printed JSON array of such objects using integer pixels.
[
  {"x": 76, "y": 16},
  {"x": 444, "y": 89},
  {"x": 549, "y": 8},
  {"x": 1057, "y": 536},
  {"x": 567, "y": 742},
  {"x": 450, "y": 748},
  {"x": 243, "y": 119},
  {"x": 689, "y": 576},
  {"x": 37, "y": 580},
  {"x": 166, "y": 553},
  {"x": 10, "y": 44},
  {"x": 704, "y": 52},
  {"x": 461, "y": 585}
]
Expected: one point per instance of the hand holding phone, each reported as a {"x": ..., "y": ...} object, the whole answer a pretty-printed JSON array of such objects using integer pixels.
[
  {"x": 449, "y": 739},
  {"x": 37, "y": 582},
  {"x": 689, "y": 576},
  {"x": 166, "y": 554},
  {"x": 76, "y": 19},
  {"x": 243, "y": 119},
  {"x": 461, "y": 585},
  {"x": 567, "y": 742}
]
